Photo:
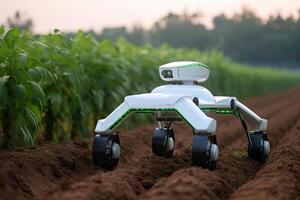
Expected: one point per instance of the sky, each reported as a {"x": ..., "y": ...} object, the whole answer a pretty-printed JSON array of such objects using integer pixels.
[{"x": 71, "y": 15}]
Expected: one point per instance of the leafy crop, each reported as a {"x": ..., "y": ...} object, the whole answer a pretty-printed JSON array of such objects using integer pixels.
[
  {"x": 21, "y": 98},
  {"x": 60, "y": 85}
]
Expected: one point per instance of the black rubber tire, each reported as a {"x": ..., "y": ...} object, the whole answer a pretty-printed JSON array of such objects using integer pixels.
[
  {"x": 159, "y": 142},
  {"x": 257, "y": 152},
  {"x": 201, "y": 151},
  {"x": 102, "y": 151}
]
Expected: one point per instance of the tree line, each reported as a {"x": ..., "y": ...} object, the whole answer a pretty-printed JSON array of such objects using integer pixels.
[{"x": 244, "y": 37}]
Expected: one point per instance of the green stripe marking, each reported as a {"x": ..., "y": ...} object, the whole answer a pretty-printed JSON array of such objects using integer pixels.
[
  {"x": 196, "y": 65},
  {"x": 151, "y": 110}
]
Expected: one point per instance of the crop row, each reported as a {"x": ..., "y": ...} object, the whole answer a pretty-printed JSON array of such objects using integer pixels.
[{"x": 58, "y": 86}]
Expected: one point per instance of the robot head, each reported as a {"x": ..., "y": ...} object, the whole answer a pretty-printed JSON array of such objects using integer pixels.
[{"x": 184, "y": 71}]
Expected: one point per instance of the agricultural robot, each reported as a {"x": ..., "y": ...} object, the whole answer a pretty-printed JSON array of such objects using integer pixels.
[{"x": 181, "y": 99}]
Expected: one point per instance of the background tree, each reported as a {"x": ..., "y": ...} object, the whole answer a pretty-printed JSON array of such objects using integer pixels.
[
  {"x": 18, "y": 21},
  {"x": 244, "y": 37}
]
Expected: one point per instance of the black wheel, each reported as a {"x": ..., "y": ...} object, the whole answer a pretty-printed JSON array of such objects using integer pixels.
[
  {"x": 163, "y": 142},
  {"x": 260, "y": 146},
  {"x": 205, "y": 151},
  {"x": 106, "y": 151}
]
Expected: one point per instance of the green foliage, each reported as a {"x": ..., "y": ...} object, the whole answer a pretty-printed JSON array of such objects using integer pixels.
[
  {"x": 61, "y": 85},
  {"x": 21, "y": 99}
]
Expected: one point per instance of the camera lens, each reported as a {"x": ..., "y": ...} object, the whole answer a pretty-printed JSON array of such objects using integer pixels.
[{"x": 167, "y": 73}]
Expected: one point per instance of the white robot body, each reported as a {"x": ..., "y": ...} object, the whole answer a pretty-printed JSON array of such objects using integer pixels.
[
  {"x": 178, "y": 96},
  {"x": 184, "y": 97}
]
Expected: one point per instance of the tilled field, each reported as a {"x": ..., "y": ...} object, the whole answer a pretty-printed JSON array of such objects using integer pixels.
[{"x": 65, "y": 171}]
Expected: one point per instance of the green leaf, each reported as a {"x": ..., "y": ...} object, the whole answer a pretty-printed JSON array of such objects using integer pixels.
[
  {"x": 4, "y": 79},
  {"x": 31, "y": 119},
  {"x": 27, "y": 138},
  {"x": 56, "y": 101},
  {"x": 10, "y": 37},
  {"x": 40, "y": 43},
  {"x": 1, "y": 31},
  {"x": 3, "y": 91},
  {"x": 98, "y": 99},
  {"x": 19, "y": 96},
  {"x": 22, "y": 59},
  {"x": 38, "y": 92},
  {"x": 40, "y": 74}
]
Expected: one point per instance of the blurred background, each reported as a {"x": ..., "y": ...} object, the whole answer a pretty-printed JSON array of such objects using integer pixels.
[{"x": 249, "y": 31}]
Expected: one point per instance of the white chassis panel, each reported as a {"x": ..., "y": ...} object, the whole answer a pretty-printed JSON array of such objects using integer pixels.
[{"x": 179, "y": 98}]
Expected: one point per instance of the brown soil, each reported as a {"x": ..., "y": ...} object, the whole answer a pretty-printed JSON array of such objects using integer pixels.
[{"x": 65, "y": 171}]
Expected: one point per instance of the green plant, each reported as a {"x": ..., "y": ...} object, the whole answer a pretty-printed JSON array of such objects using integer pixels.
[{"x": 21, "y": 99}]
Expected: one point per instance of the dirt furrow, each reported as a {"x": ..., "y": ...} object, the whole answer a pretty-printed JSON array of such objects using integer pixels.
[
  {"x": 26, "y": 173},
  {"x": 234, "y": 169},
  {"x": 279, "y": 178}
]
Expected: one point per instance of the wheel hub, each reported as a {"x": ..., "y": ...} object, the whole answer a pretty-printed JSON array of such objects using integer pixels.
[
  {"x": 266, "y": 147},
  {"x": 116, "y": 151},
  {"x": 214, "y": 152},
  {"x": 170, "y": 144}
]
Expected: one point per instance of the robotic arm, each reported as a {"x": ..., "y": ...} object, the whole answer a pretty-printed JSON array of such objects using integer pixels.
[
  {"x": 232, "y": 105},
  {"x": 261, "y": 124},
  {"x": 257, "y": 138}
]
